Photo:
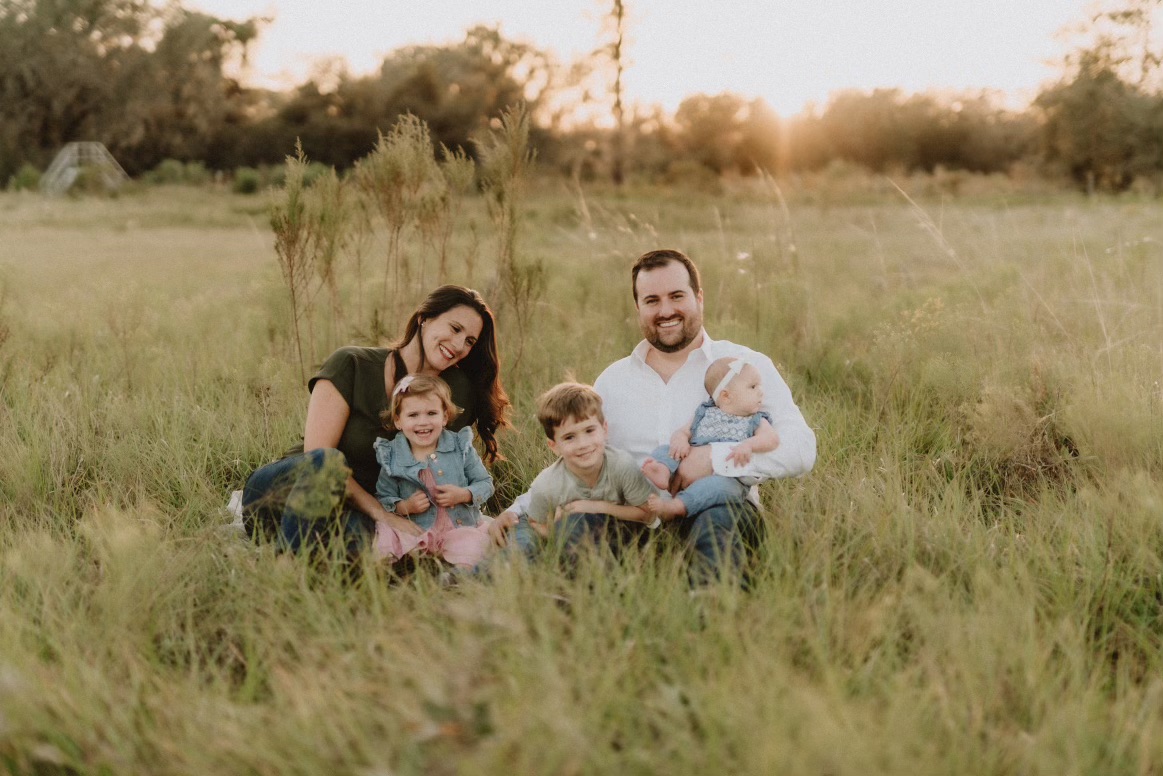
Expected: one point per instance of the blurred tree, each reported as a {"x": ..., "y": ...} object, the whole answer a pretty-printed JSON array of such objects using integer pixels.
[
  {"x": 869, "y": 129},
  {"x": 1103, "y": 122},
  {"x": 726, "y": 133},
  {"x": 176, "y": 97},
  {"x": 616, "y": 21},
  {"x": 456, "y": 90},
  {"x": 887, "y": 129},
  {"x": 147, "y": 81},
  {"x": 1101, "y": 130},
  {"x": 1123, "y": 34}
]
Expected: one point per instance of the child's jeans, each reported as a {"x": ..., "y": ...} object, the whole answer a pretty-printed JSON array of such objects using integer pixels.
[{"x": 572, "y": 532}]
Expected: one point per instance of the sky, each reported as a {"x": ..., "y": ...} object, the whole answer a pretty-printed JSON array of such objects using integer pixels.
[{"x": 791, "y": 53}]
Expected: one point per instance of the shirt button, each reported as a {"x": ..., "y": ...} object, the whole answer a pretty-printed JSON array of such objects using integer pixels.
[
  {"x": 439, "y": 472},
  {"x": 432, "y": 456}
]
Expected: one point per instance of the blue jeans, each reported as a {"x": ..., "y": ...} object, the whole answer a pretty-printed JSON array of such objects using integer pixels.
[
  {"x": 710, "y": 491},
  {"x": 573, "y": 532},
  {"x": 299, "y": 501},
  {"x": 718, "y": 539}
]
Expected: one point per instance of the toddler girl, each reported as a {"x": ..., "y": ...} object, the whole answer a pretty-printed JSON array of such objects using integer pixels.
[
  {"x": 731, "y": 414},
  {"x": 431, "y": 476}
]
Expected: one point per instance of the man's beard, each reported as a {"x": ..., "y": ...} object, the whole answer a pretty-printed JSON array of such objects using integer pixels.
[{"x": 690, "y": 328}]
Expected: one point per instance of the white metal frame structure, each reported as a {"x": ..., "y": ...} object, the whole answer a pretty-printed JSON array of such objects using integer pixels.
[{"x": 74, "y": 157}]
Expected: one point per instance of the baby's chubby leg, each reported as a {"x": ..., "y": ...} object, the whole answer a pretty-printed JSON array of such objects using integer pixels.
[{"x": 660, "y": 467}]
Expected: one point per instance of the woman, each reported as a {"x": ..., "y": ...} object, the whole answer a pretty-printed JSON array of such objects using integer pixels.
[{"x": 451, "y": 335}]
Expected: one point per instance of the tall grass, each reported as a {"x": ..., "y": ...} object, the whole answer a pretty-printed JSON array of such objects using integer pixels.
[{"x": 969, "y": 582}]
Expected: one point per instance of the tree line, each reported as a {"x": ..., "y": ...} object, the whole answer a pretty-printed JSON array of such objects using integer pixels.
[{"x": 156, "y": 83}]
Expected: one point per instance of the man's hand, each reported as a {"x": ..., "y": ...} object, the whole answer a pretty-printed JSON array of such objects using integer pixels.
[{"x": 694, "y": 467}]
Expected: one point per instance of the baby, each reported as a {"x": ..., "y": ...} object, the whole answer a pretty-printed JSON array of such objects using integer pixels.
[{"x": 731, "y": 414}]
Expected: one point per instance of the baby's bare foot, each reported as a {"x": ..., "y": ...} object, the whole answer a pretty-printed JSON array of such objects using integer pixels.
[{"x": 657, "y": 473}]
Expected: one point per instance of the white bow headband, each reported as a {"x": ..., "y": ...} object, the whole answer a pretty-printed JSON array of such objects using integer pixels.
[
  {"x": 402, "y": 386},
  {"x": 735, "y": 368}
]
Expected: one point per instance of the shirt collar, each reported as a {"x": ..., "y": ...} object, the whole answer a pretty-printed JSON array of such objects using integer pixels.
[{"x": 643, "y": 348}]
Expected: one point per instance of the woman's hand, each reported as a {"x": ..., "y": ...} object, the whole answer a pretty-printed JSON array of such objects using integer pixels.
[
  {"x": 402, "y": 525},
  {"x": 451, "y": 495}
]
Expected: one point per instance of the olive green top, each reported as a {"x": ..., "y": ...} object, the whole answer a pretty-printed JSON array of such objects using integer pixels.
[{"x": 358, "y": 374}]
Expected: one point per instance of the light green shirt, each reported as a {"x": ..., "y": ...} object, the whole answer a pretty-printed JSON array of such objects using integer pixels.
[{"x": 621, "y": 482}]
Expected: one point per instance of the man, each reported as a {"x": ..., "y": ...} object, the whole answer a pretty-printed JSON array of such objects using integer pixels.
[{"x": 656, "y": 389}]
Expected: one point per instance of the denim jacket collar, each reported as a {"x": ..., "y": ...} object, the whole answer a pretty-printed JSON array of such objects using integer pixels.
[{"x": 401, "y": 451}]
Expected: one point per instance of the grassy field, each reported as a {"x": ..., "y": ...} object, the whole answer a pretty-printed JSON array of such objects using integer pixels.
[{"x": 970, "y": 582}]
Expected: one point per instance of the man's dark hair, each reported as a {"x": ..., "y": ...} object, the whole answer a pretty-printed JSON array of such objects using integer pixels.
[{"x": 660, "y": 258}]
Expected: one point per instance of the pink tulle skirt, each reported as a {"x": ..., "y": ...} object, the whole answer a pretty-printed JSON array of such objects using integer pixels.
[{"x": 460, "y": 546}]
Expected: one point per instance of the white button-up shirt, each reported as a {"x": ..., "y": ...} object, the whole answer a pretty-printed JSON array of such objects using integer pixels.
[{"x": 643, "y": 411}]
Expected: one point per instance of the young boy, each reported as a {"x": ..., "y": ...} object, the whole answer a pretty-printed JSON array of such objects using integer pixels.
[{"x": 589, "y": 483}]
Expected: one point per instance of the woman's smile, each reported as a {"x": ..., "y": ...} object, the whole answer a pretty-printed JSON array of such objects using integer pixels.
[{"x": 450, "y": 336}]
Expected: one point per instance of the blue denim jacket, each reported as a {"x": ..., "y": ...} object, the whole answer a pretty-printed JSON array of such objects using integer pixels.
[{"x": 455, "y": 462}]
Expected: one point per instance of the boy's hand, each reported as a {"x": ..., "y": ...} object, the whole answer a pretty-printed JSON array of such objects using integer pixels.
[
  {"x": 542, "y": 529},
  {"x": 498, "y": 530},
  {"x": 740, "y": 454},
  {"x": 586, "y": 506},
  {"x": 680, "y": 444},
  {"x": 451, "y": 495}
]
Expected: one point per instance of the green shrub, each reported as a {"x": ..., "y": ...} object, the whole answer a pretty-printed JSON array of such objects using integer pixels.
[
  {"x": 92, "y": 180},
  {"x": 313, "y": 172},
  {"x": 196, "y": 174},
  {"x": 168, "y": 171},
  {"x": 276, "y": 176},
  {"x": 173, "y": 172},
  {"x": 27, "y": 178},
  {"x": 247, "y": 180}
]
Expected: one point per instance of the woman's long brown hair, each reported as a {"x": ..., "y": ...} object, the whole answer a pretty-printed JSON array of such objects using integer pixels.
[{"x": 481, "y": 366}]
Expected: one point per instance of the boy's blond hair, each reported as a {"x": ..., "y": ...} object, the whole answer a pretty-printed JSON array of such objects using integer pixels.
[{"x": 568, "y": 400}]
